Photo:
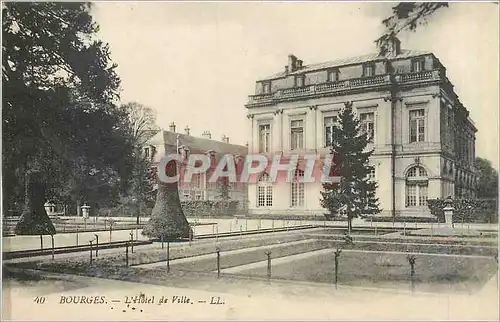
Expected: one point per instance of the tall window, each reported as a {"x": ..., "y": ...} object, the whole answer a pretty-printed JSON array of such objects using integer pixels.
[
  {"x": 330, "y": 123},
  {"x": 368, "y": 70},
  {"x": 264, "y": 191},
  {"x": 299, "y": 81},
  {"x": 367, "y": 124},
  {"x": 417, "y": 125},
  {"x": 417, "y": 65},
  {"x": 264, "y": 138},
  {"x": 146, "y": 152},
  {"x": 333, "y": 75},
  {"x": 416, "y": 187},
  {"x": 297, "y": 197},
  {"x": 266, "y": 87},
  {"x": 297, "y": 134}
]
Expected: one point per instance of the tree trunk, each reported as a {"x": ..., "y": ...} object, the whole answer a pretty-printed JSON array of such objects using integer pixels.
[
  {"x": 34, "y": 220},
  {"x": 349, "y": 224},
  {"x": 167, "y": 218},
  {"x": 78, "y": 208}
]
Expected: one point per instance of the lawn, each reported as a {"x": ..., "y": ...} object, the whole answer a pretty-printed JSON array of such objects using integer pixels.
[{"x": 377, "y": 269}]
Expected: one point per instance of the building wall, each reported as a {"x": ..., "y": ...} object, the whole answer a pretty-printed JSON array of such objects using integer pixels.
[{"x": 439, "y": 154}]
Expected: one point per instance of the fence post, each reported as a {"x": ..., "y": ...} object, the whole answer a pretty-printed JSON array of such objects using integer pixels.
[
  {"x": 268, "y": 253},
  {"x": 90, "y": 242},
  {"x": 273, "y": 225},
  {"x": 110, "y": 230},
  {"x": 375, "y": 229},
  {"x": 136, "y": 233},
  {"x": 162, "y": 243},
  {"x": 411, "y": 260},
  {"x": 241, "y": 231},
  {"x": 76, "y": 235},
  {"x": 217, "y": 249},
  {"x": 404, "y": 228},
  {"x": 217, "y": 233},
  {"x": 190, "y": 236},
  {"x": 168, "y": 256},
  {"x": 337, "y": 255},
  {"x": 96, "y": 244},
  {"x": 52, "y": 239},
  {"x": 132, "y": 241},
  {"x": 126, "y": 253}
]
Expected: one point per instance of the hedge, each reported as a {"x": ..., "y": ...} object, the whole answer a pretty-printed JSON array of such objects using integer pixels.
[
  {"x": 210, "y": 208},
  {"x": 466, "y": 210}
]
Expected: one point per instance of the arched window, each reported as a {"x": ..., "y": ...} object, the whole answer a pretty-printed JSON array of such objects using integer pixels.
[
  {"x": 297, "y": 189},
  {"x": 416, "y": 187},
  {"x": 264, "y": 191}
]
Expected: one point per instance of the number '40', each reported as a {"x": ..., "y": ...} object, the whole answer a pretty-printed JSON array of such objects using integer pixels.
[{"x": 39, "y": 299}]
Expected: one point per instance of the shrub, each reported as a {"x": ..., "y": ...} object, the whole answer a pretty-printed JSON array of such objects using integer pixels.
[
  {"x": 465, "y": 210},
  {"x": 209, "y": 208}
]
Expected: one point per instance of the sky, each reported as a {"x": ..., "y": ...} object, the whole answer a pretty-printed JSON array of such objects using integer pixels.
[{"x": 196, "y": 63}]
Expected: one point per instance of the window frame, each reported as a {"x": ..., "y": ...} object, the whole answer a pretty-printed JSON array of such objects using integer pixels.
[
  {"x": 266, "y": 87},
  {"x": 364, "y": 124},
  {"x": 297, "y": 190},
  {"x": 302, "y": 78},
  {"x": 333, "y": 71},
  {"x": 295, "y": 132},
  {"x": 268, "y": 142},
  {"x": 417, "y": 182},
  {"x": 264, "y": 191},
  {"x": 332, "y": 126},
  {"x": 419, "y": 120},
  {"x": 368, "y": 66},
  {"x": 416, "y": 61}
]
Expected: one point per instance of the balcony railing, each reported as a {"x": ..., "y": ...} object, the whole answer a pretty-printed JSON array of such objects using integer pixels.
[
  {"x": 343, "y": 85},
  {"x": 426, "y": 75}
]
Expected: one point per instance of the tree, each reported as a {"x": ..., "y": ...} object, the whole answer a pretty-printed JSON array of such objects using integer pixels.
[
  {"x": 487, "y": 179},
  {"x": 223, "y": 187},
  {"x": 142, "y": 122},
  {"x": 61, "y": 129},
  {"x": 142, "y": 126},
  {"x": 355, "y": 194},
  {"x": 167, "y": 220},
  {"x": 407, "y": 16}
]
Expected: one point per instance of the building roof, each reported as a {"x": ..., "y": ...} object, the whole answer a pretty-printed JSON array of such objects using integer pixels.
[
  {"x": 349, "y": 61},
  {"x": 197, "y": 144}
]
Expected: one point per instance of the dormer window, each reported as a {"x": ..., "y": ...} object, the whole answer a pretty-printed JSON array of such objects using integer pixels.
[
  {"x": 417, "y": 65},
  {"x": 368, "y": 70},
  {"x": 333, "y": 75},
  {"x": 266, "y": 87},
  {"x": 299, "y": 80}
]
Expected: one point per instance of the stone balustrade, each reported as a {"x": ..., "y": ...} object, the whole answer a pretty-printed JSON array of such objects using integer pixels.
[{"x": 343, "y": 85}]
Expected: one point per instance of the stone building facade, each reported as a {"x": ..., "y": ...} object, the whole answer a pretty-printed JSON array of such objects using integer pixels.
[
  {"x": 199, "y": 188},
  {"x": 422, "y": 135}
]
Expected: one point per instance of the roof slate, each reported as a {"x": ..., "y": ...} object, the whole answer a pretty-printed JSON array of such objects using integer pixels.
[
  {"x": 197, "y": 144},
  {"x": 349, "y": 61}
]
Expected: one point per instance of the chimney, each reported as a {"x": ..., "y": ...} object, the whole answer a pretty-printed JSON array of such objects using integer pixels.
[
  {"x": 390, "y": 47},
  {"x": 225, "y": 138},
  {"x": 286, "y": 69},
  {"x": 172, "y": 127},
  {"x": 292, "y": 63},
  {"x": 186, "y": 130},
  {"x": 299, "y": 63},
  {"x": 207, "y": 135}
]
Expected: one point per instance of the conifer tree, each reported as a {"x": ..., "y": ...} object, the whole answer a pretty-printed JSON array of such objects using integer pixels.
[{"x": 354, "y": 195}]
